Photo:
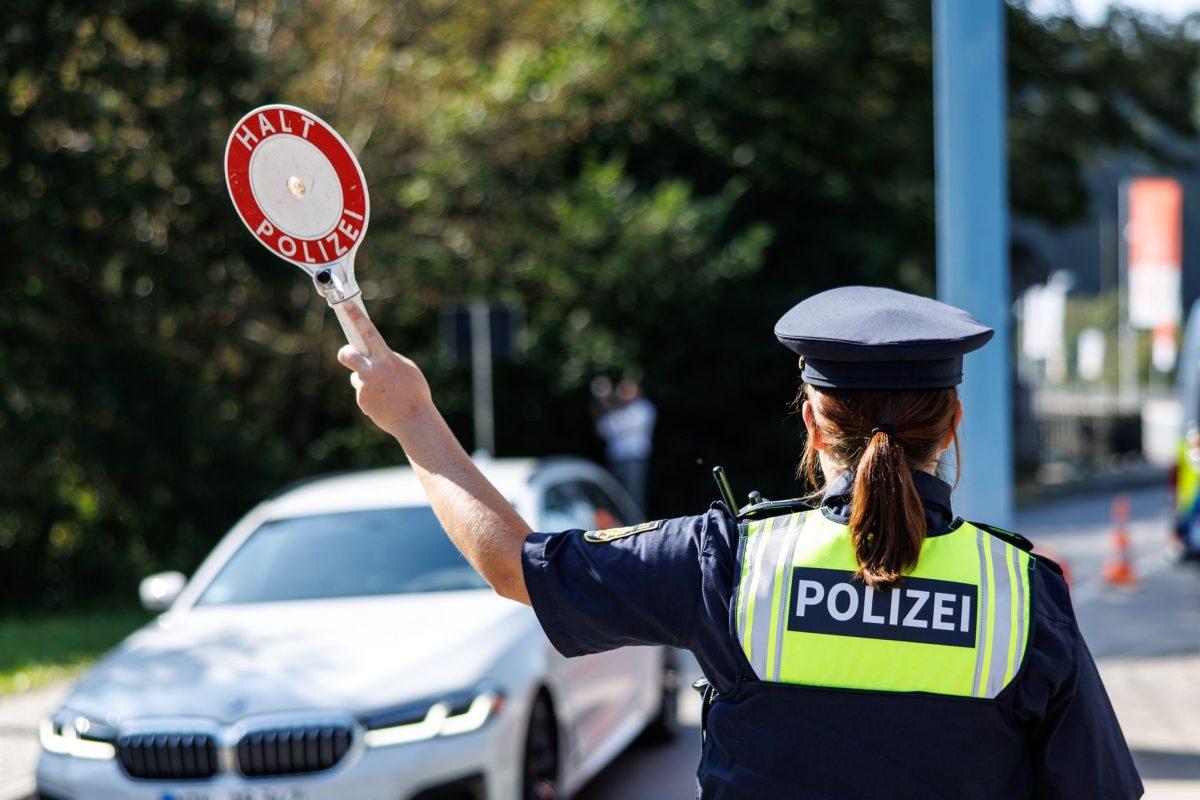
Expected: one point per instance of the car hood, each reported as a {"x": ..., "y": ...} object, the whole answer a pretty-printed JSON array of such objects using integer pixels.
[{"x": 347, "y": 654}]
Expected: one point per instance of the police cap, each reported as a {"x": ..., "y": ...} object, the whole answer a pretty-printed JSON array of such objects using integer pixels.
[{"x": 866, "y": 337}]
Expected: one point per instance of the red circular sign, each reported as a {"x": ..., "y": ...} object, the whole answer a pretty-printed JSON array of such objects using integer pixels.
[{"x": 297, "y": 185}]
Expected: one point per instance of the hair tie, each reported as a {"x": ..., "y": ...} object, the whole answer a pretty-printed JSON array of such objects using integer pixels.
[{"x": 882, "y": 428}]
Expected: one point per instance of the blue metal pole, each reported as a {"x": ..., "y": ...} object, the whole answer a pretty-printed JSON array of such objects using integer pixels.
[{"x": 972, "y": 237}]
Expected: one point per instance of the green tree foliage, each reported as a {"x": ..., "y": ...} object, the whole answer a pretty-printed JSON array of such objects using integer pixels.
[
  {"x": 651, "y": 184},
  {"x": 495, "y": 140},
  {"x": 126, "y": 407},
  {"x": 812, "y": 121}
]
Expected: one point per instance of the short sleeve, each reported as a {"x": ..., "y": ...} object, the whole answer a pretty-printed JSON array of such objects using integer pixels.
[
  {"x": 1076, "y": 742},
  {"x": 633, "y": 586}
]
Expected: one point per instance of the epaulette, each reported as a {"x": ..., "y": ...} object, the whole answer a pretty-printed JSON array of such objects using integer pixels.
[
  {"x": 774, "y": 508},
  {"x": 1017, "y": 540},
  {"x": 1013, "y": 538},
  {"x": 1054, "y": 566}
]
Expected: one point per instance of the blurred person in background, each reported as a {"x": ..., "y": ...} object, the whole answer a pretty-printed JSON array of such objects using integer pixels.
[
  {"x": 627, "y": 426},
  {"x": 602, "y": 396},
  {"x": 866, "y": 641}
]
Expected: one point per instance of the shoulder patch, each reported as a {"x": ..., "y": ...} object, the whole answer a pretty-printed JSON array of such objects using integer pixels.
[{"x": 612, "y": 534}]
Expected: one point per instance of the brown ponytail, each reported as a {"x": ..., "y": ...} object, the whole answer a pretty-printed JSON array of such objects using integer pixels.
[{"x": 883, "y": 437}]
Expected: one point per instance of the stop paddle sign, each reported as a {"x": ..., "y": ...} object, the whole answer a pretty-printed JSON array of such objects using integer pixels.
[{"x": 300, "y": 191}]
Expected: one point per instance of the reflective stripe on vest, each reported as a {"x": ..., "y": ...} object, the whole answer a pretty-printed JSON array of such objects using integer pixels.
[{"x": 958, "y": 624}]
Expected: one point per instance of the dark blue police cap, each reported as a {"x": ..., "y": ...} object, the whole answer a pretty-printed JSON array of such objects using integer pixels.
[{"x": 865, "y": 337}]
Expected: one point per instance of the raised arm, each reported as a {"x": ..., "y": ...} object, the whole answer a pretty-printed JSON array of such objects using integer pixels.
[{"x": 483, "y": 525}]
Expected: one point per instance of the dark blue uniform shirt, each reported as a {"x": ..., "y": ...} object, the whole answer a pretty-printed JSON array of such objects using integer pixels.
[{"x": 1050, "y": 734}]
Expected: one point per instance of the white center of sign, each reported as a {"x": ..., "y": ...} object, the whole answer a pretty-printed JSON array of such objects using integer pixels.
[{"x": 308, "y": 203}]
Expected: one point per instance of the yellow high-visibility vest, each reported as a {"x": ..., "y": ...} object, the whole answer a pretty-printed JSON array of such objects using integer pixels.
[
  {"x": 1187, "y": 481},
  {"x": 958, "y": 624}
]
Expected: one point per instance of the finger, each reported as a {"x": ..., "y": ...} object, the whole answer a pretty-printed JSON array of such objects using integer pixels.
[
  {"x": 350, "y": 358},
  {"x": 356, "y": 381},
  {"x": 363, "y": 324}
]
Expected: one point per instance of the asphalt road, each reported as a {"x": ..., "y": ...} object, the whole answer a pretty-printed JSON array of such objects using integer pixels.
[{"x": 1146, "y": 639}]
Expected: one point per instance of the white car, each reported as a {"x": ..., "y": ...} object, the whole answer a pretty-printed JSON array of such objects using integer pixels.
[{"x": 335, "y": 645}]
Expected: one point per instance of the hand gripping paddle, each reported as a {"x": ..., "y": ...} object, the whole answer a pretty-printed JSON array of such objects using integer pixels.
[{"x": 299, "y": 189}]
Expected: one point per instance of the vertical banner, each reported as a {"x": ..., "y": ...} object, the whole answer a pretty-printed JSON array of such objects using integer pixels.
[
  {"x": 1164, "y": 350},
  {"x": 1154, "y": 242},
  {"x": 1090, "y": 354},
  {"x": 1043, "y": 323}
]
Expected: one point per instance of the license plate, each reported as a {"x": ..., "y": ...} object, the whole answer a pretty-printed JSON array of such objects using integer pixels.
[{"x": 256, "y": 793}]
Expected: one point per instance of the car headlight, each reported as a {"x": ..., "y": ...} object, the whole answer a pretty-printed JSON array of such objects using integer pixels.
[
  {"x": 70, "y": 734},
  {"x": 461, "y": 712}
]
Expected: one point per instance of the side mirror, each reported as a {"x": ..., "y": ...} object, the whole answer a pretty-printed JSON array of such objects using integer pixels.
[{"x": 157, "y": 592}]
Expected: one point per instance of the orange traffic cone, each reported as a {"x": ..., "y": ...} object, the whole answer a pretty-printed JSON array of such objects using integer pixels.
[{"x": 1118, "y": 570}]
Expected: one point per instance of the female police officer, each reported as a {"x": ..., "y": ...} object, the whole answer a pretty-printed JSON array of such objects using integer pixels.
[{"x": 873, "y": 646}]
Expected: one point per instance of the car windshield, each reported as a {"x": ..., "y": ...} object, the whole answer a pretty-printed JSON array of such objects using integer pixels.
[{"x": 350, "y": 554}]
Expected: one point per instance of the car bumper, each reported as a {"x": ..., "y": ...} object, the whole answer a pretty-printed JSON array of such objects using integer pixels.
[{"x": 401, "y": 772}]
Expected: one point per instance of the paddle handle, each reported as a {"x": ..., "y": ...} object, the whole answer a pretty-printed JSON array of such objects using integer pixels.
[{"x": 343, "y": 317}]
